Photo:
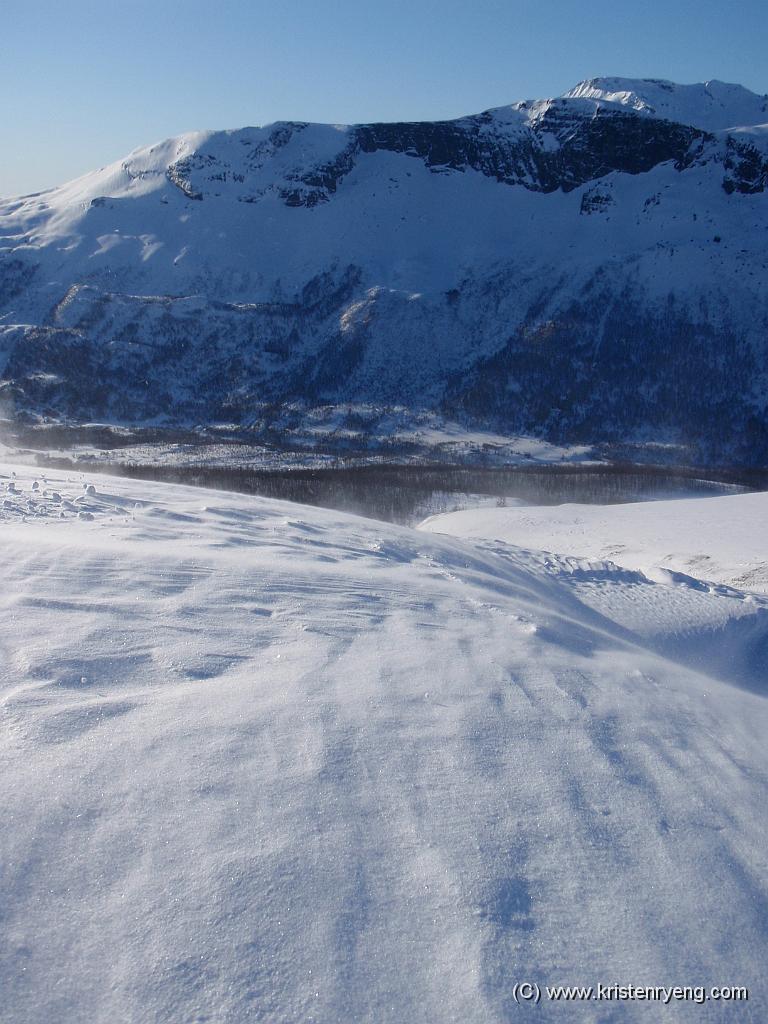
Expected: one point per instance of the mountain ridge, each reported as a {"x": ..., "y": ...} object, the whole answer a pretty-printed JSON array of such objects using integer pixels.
[{"x": 738, "y": 107}]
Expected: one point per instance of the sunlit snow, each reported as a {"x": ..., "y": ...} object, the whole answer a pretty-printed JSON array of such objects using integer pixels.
[{"x": 267, "y": 762}]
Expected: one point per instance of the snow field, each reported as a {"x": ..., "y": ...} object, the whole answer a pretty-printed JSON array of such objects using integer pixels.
[
  {"x": 269, "y": 762},
  {"x": 723, "y": 540}
]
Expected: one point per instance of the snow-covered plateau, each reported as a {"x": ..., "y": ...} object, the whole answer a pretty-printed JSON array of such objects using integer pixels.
[
  {"x": 584, "y": 270},
  {"x": 266, "y": 762}
]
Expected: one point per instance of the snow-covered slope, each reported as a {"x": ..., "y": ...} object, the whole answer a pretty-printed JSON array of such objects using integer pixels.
[
  {"x": 712, "y": 106},
  {"x": 267, "y": 762},
  {"x": 588, "y": 268},
  {"x": 722, "y": 540}
]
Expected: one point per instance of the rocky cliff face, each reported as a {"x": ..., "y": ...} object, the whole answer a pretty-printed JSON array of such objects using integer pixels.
[{"x": 587, "y": 269}]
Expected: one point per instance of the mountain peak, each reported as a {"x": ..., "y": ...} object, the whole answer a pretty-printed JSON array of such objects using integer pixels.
[{"x": 711, "y": 106}]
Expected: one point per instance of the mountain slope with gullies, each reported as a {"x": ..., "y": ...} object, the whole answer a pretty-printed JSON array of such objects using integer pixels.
[{"x": 590, "y": 269}]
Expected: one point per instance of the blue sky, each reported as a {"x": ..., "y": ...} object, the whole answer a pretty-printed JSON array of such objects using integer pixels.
[{"x": 83, "y": 82}]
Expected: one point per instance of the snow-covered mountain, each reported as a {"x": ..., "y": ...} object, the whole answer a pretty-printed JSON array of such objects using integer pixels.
[{"x": 591, "y": 268}]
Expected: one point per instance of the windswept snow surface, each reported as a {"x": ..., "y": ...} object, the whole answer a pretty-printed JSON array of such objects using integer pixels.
[
  {"x": 724, "y": 539},
  {"x": 267, "y": 762}
]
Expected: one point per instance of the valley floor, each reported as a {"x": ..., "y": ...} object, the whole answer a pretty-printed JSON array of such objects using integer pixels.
[{"x": 266, "y": 762}]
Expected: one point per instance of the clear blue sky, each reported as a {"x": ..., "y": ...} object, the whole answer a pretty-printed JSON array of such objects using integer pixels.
[{"x": 84, "y": 82}]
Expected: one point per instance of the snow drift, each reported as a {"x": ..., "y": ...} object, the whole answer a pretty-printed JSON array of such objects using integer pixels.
[{"x": 267, "y": 762}]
